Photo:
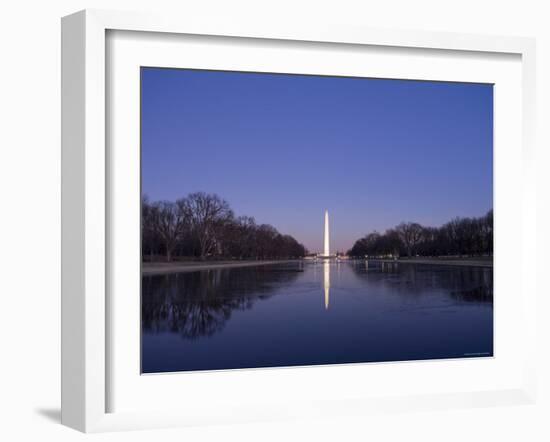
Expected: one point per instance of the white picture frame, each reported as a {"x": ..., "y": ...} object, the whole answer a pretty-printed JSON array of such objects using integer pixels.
[{"x": 86, "y": 203}]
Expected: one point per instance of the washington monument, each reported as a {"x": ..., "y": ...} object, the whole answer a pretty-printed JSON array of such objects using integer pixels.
[{"x": 327, "y": 239}]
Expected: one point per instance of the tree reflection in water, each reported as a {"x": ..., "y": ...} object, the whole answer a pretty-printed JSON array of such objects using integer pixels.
[
  {"x": 462, "y": 283},
  {"x": 199, "y": 303}
]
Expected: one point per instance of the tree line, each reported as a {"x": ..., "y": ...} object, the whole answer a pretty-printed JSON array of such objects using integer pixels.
[
  {"x": 203, "y": 226},
  {"x": 460, "y": 236}
]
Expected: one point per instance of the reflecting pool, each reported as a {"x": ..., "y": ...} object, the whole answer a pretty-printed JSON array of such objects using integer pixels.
[{"x": 305, "y": 313}]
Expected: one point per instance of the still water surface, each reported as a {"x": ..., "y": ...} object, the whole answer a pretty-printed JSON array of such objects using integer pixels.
[{"x": 304, "y": 313}]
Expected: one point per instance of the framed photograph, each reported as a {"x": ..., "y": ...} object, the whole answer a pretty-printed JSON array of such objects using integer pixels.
[{"x": 263, "y": 222}]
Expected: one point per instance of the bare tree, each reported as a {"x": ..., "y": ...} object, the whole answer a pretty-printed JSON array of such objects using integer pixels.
[
  {"x": 239, "y": 238},
  {"x": 410, "y": 234},
  {"x": 169, "y": 221},
  {"x": 392, "y": 242},
  {"x": 487, "y": 232},
  {"x": 265, "y": 241},
  {"x": 148, "y": 228},
  {"x": 207, "y": 214}
]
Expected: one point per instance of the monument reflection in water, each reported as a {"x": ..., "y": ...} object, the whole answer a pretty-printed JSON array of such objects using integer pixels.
[
  {"x": 307, "y": 313},
  {"x": 326, "y": 282},
  {"x": 326, "y": 256}
]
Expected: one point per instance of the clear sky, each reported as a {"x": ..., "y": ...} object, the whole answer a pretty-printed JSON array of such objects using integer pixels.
[{"x": 283, "y": 148}]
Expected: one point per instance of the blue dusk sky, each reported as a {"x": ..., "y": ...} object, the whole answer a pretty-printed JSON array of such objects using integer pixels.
[{"x": 283, "y": 148}]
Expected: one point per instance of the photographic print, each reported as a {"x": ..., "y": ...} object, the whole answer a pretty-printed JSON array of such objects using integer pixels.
[{"x": 295, "y": 220}]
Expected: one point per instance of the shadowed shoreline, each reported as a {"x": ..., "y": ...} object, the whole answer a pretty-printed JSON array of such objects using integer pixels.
[
  {"x": 159, "y": 268},
  {"x": 439, "y": 261}
]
